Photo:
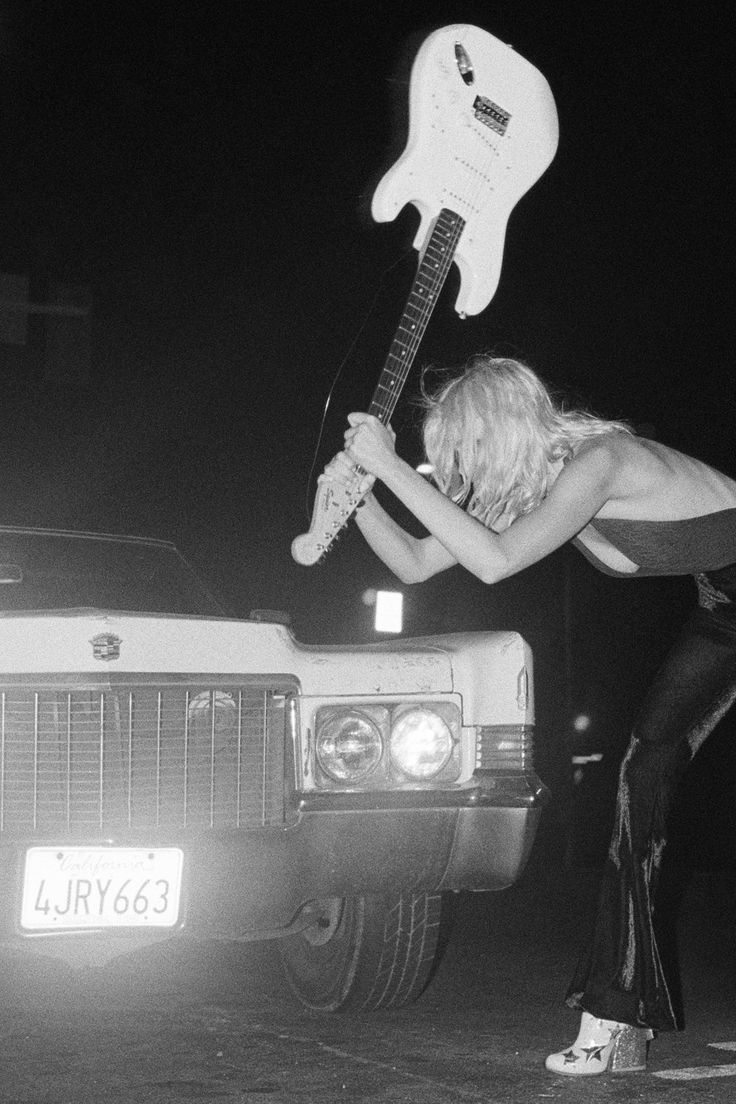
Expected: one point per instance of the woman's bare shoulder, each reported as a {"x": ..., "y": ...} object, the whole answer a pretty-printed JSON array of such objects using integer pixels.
[
  {"x": 619, "y": 448},
  {"x": 591, "y": 470},
  {"x": 621, "y": 463},
  {"x": 606, "y": 450},
  {"x": 655, "y": 481}
]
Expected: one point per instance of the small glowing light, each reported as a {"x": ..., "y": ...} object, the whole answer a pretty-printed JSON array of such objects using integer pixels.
[
  {"x": 425, "y": 469},
  {"x": 368, "y": 597},
  {"x": 421, "y": 744},
  {"x": 389, "y": 611},
  {"x": 582, "y": 722},
  {"x": 580, "y": 761}
]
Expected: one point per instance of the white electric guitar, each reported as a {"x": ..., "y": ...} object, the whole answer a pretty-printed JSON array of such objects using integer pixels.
[{"x": 482, "y": 130}]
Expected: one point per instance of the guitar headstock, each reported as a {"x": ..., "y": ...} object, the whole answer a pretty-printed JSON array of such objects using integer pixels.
[{"x": 333, "y": 505}]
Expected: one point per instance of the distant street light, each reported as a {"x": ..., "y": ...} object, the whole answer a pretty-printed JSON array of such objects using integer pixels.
[{"x": 389, "y": 611}]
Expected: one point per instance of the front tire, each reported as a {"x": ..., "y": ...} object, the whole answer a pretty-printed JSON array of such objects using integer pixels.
[{"x": 364, "y": 952}]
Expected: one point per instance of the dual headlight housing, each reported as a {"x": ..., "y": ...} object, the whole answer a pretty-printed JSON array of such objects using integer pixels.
[{"x": 387, "y": 746}]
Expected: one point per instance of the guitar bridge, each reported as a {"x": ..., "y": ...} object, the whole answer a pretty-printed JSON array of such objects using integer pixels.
[{"x": 490, "y": 114}]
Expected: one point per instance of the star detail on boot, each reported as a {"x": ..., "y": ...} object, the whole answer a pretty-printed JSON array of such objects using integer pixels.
[
  {"x": 570, "y": 1057},
  {"x": 593, "y": 1053}
]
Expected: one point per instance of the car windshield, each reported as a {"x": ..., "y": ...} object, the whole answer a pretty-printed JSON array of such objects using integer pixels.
[{"x": 44, "y": 569}]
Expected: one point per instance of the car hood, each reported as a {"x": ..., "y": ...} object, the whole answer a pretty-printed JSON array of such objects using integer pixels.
[{"x": 109, "y": 643}]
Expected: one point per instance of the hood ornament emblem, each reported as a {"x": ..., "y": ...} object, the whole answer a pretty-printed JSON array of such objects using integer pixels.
[{"x": 106, "y": 646}]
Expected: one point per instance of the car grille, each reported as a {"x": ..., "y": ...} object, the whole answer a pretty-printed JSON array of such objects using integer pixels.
[{"x": 164, "y": 755}]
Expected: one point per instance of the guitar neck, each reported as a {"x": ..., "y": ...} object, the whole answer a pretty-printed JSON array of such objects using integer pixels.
[{"x": 430, "y": 278}]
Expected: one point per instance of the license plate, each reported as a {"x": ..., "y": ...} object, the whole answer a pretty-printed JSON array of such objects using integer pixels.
[{"x": 101, "y": 887}]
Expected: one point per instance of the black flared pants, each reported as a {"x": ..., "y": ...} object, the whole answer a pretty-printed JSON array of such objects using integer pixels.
[{"x": 619, "y": 977}]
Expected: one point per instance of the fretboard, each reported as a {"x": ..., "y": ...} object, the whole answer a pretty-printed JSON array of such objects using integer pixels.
[{"x": 430, "y": 278}]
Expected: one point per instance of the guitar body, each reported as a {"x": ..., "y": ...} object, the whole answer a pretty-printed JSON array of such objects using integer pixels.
[
  {"x": 482, "y": 129},
  {"x": 477, "y": 142}
]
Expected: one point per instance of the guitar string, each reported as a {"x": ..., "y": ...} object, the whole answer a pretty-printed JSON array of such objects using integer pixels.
[
  {"x": 428, "y": 304},
  {"x": 473, "y": 204},
  {"x": 482, "y": 182},
  {"x": 483, "y": 177},
  {"x": 339, "y": 371},
  {"x": 423, "y": 309}
]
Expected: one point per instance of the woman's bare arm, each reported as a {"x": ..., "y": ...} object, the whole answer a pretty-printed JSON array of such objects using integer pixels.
[
  {"x": 576, "y": 496},
  {"x": 412, "y": 559}
]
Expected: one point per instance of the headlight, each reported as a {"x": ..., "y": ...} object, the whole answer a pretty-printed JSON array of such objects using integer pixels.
[
  {"x": 349, "y": 746},
  {"x": 421, "y": 744}
]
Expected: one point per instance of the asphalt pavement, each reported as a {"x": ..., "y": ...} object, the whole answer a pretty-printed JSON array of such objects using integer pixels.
[{"x": 196, "y": 1022}]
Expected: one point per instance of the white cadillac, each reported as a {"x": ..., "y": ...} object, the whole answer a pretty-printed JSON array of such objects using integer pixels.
[{"x": 167, "y": 771}]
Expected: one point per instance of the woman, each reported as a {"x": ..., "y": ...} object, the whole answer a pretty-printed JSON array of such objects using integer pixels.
[{"x": 516, "y": 476}]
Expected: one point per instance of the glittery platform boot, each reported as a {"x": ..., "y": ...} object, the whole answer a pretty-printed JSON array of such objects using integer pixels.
[{"x": 602, "y": 1045}]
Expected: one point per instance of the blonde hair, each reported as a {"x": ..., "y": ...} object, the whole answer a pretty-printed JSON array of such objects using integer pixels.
[{"x": 491, "y": 433}]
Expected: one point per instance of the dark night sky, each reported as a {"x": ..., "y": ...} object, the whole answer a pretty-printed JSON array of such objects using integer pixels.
[{"x": 206, "y": 170}]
